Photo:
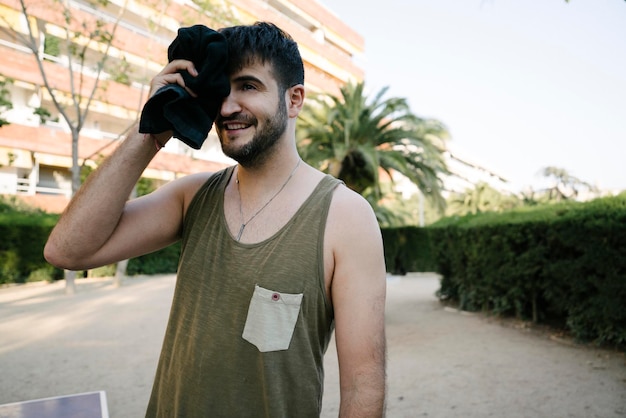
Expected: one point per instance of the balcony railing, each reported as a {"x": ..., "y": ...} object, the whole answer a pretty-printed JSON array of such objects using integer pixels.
[{"x": 24, "y": 187}]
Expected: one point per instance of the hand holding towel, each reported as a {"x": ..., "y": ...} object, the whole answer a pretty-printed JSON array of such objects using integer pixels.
[{"x": 172, "y": 107}]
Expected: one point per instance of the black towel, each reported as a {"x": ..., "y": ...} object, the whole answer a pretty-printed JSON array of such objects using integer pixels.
[{"x": 171, "y": 107}]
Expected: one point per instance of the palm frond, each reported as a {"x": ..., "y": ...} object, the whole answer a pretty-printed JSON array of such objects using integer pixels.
[{"x": 354, "y": 137}]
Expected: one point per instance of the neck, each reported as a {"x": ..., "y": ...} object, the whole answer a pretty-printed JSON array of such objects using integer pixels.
[{"x": 269, "y": 172}]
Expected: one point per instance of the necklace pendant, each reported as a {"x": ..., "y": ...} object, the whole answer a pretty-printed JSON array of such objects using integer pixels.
[
  {"x": 243, "y": 225},
  {"x": 241, "y": 228}
]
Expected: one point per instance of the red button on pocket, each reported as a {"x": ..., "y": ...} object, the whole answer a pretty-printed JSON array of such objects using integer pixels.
[{"x": 275, "y": 297}]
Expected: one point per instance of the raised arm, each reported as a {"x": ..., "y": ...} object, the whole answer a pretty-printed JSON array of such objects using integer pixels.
[
  {"x": 358, "y": 292},
  {"x": 100, "y": 225}
]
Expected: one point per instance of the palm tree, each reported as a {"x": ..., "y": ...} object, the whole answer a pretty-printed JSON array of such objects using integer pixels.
[
  {"x": 564, "y": 185},
  {"x": 353, "y": 139},
  {"x": 482, "y": 198}
]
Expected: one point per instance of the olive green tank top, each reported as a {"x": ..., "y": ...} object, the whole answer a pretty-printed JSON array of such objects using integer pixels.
[{"x": 249, "y": 323}]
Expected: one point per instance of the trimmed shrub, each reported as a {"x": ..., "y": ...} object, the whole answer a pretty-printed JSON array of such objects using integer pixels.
[
  {"x": 562, "y": 264},
  {"x": 21, "y": 247},
  {"x": 160, "y": 262}
]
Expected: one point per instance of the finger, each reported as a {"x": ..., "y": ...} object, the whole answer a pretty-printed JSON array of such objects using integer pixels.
[
  {"x": 165, "y": 79},
  {"x": 179, "y": 65}
]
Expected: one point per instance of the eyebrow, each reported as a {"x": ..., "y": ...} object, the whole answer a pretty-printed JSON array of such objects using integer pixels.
[{"x": 248, "y": 78}]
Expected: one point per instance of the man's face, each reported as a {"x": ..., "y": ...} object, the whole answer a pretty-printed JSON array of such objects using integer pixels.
[{"x": 253, "y": 117}]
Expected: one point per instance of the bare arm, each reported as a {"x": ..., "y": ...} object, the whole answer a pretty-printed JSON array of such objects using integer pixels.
[
  {"x": 100, "y": 225},
  {"x": 358, "y": 294}
]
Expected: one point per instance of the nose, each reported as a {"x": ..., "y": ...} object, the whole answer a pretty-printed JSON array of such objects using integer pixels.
[{"x": 230, "y": 105}]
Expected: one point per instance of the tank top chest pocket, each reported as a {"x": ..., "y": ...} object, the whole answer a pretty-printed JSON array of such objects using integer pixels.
[{"x": 271, "y": 319}]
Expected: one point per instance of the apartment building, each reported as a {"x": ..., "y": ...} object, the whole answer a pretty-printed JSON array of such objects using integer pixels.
[{"x": 35, "y": 152}]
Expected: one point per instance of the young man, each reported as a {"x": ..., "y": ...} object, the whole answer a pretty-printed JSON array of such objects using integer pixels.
[{"x": 275, "y": 253}]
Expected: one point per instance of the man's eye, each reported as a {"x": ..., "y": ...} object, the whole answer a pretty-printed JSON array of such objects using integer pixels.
[{"x": 248, "y": 87}]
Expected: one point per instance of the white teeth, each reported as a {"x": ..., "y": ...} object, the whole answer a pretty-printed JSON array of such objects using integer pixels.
[{"x": 235, "y": 126}]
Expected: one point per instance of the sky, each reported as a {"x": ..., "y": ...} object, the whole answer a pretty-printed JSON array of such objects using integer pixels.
[{"x": 520, "y": 84}]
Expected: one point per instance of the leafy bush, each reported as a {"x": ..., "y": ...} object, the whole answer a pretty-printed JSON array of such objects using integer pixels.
[
  {"x": 46, "y": 273},
  {"x": 159, "y": 262},
  {"x": 407, "y": 249},
  {"x": 24, "y": 233},
  {"x": 104, "y": 271},
  {"x": 561, "y": 264}
]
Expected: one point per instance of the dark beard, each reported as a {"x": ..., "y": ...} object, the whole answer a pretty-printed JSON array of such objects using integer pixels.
[{"x": 255, "y": 152}]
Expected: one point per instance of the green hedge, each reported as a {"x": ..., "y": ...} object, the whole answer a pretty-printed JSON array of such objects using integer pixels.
[
  {"x": 160, "y": 262},
  {"x": 561, "y": 264},
  {"x": 23, "y": 237},
  {"x": 21, "y": 247},
  {"x": 408, "y": 249}
]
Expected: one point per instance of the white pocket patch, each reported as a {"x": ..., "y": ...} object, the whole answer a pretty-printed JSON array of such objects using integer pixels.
[{"x": 271, "y": 319}]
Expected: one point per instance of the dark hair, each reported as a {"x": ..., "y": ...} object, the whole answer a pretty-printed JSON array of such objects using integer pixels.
[{"x": 265, "y": 42}]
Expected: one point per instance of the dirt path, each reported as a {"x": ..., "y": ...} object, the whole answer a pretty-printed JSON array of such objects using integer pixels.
[{"x": 442, "y": 363}]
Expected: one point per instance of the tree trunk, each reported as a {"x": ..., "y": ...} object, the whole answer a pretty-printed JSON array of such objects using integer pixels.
[
  {"x": 120, "y": 273},
  {"x": 70, "y": 285},
  {"x": 70, "y": 276},
  {"x": 75, "y": 165}
]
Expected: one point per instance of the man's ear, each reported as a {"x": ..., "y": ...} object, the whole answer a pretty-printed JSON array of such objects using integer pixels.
[{"x": 295, "y": 100}]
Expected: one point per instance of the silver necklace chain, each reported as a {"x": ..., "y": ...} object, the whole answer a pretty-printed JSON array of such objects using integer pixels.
[{"x": 244, "y": 224}]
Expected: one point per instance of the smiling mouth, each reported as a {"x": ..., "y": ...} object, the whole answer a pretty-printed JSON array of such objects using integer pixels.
[{"x": 233, "y": 126}]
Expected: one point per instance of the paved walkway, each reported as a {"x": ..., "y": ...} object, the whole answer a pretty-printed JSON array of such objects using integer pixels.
[{"x": 442, "y": 363}]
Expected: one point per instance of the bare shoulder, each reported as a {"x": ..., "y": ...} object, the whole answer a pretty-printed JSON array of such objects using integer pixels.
[
  {"x": 353, "y": 234},
  {"x": 349, "y": 208},
  {"x": 192, "y": 183},
  {"x": 184, "y": 188},
  {"x": 169, "y": 202}
]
